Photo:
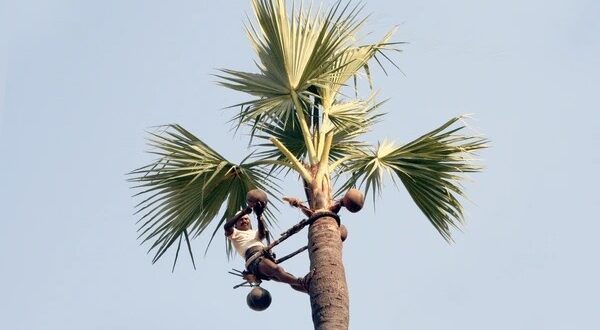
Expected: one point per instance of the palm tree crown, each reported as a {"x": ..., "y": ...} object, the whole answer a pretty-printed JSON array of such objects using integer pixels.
[{"x": 300, "y": 120}]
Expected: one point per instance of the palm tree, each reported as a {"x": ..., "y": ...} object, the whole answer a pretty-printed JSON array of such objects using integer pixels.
[{"x": 301, "y": 121}]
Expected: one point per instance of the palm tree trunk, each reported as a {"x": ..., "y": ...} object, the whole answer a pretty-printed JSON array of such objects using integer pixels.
[{"x": 328, "y": 289}]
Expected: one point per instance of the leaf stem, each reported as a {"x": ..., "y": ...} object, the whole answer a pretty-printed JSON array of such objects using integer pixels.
[
  {"x": 305, "y": 130},
  {"x": 338, "y": 162},
  {"x": 321, "y": 133},
  {"x": 296, "y": 163},
  {"x": 324, "y": 161}
]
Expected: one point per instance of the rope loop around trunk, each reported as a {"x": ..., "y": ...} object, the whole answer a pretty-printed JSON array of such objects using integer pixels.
[{"x": 321, "y": 214}]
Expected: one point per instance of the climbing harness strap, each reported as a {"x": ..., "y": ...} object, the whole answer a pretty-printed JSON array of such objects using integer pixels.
[
  {"x": 297, "y": 227},
  {"x": 321, "y": 214},
  {"x": 259, "y": 252}
]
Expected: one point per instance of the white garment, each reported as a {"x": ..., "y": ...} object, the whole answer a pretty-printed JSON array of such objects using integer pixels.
[{"x": 244, "y": 239}]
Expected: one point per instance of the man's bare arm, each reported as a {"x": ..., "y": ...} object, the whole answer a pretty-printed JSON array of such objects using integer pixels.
[
  {"x": 228, "y": 226},
  {"x": 262, "y": 230},
  {"x": 295, "y": 202}
]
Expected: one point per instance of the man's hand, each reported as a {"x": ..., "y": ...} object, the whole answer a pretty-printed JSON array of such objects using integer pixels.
[
  {"x": 247, "y": 210},
  {"x": 251, "y": 278},
  {"x": 295, "y": 202},
  {"x": 259, "y": 208}
]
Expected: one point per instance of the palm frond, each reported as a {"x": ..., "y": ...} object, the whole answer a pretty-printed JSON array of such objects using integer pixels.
[
  {"x": 367, "y": 168},
  {"x": 350, "y": 62},
  {"x": 430, "y": 167},
  {"x": 296, "y": 49},
  {"x": 288, "y": 132},
  {"x": 354, "y": 115},
  {"x": 349, "y": 120},
  {"x": 186, "y": 187},
  {"x": 346, "y": 145}
]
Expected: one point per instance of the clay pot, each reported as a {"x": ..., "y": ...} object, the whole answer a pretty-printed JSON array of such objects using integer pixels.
[
  {"x": 258, "y": 299},
  {"x": 354, "y": 200},
  {"x": 343, "y": 232},
  {"x": 257, "y": 198}
]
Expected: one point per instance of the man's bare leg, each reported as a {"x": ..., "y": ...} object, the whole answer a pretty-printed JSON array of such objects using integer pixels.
[{"x": 277, "y": 273}]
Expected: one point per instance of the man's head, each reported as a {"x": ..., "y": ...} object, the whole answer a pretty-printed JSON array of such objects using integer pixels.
[{"x": 243, "y": 223}]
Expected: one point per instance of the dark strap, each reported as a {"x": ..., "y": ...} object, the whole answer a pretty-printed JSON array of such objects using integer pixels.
[
  {"x": 297, "y": 227},
  {"x": 316, "y": 216},
  {"x": 256, "y": 252},
  {"x": 293, "y": 254},
  {"x": 253, "y": 257},
  {"x": 321, "y": 214}
]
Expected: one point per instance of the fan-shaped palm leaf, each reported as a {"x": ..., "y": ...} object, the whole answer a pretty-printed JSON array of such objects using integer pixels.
[
  {"x": 288, "y": 132},
  {"x": 348, "y": 64},
  {"x": 430, "y": 167},
  {"x": 186, "y": 187},
  {"x": 295, "y": 52},
  {"x": 348, "y": 121},
  {"x": 353, "y": 115}
]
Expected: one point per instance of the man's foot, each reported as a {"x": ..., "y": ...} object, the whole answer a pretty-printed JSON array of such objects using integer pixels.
[
  {"x": 303, "y": 284},
  {"x": 299, "y": 287},
  {"x": 251, "y": 278}
]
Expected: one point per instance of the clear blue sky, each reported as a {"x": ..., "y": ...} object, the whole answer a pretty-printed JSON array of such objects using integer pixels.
[{"x": 81, "y": 81}]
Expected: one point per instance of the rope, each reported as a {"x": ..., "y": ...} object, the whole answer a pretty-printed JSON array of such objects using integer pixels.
[
  {"x": 293, "y": 254},
  {"x": 297, "y": 227},
  {"x": 318, "y": 215}
]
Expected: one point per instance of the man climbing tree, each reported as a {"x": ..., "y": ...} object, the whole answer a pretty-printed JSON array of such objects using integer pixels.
[{"x": 260, "y": 263}]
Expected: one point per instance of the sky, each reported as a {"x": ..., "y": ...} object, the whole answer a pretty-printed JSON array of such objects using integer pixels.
[{"x": 81, "y": 82}]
